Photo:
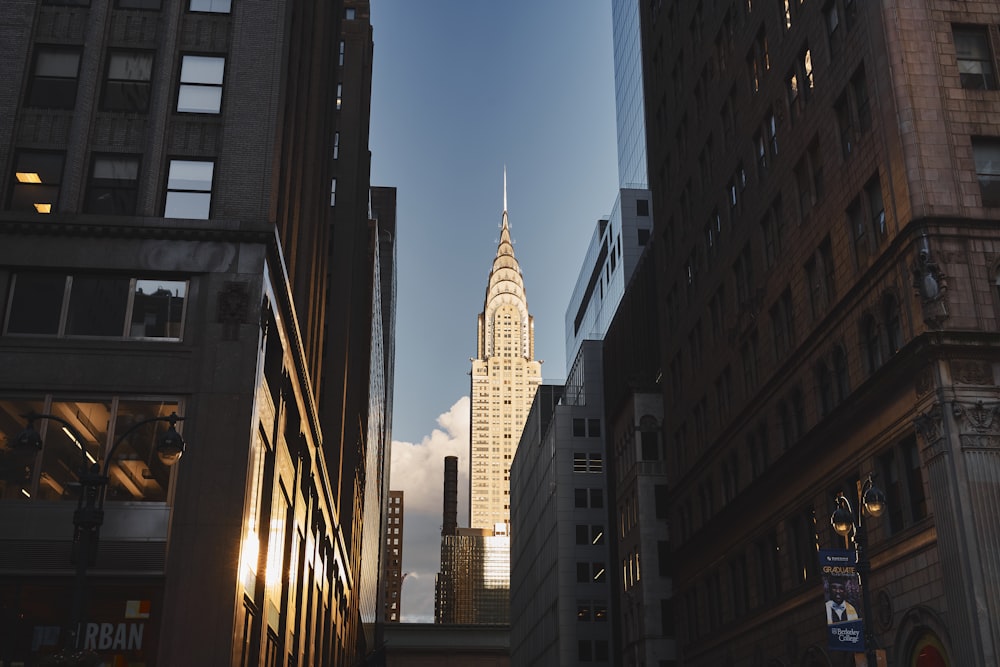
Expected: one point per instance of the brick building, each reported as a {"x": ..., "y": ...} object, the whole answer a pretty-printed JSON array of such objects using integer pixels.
[{"x": 824, "y": 179}]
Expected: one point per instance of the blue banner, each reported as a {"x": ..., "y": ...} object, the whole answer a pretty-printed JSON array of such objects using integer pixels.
[{"x": 842, "y": 600}]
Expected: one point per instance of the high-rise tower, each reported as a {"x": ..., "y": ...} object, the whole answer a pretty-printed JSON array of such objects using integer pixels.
[{"x": 505, "y": 375}]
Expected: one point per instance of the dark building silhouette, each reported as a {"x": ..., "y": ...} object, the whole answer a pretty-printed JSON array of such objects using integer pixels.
[
  {"x": 187, "y": 224},
  {"x": 826, "y": 262}
]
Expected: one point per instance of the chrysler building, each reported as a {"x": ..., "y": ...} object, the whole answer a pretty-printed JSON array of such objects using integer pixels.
[{"x": 505, "y": 375}]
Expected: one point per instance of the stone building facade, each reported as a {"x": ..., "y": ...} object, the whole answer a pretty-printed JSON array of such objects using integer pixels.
[{"x": 825, "y": 194}]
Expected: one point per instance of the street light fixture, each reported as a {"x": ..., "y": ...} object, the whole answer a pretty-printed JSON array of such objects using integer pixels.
[
  {"x": 89, "y": 515},
  {"x": 871, "y": 501}
]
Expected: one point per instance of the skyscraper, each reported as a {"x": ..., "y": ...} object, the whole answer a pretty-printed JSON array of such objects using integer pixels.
[{"x": 505, "y": 375}]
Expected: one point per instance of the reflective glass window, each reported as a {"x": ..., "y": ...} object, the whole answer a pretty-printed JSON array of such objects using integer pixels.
[
  {"x": 201, "y": 84},
  {"x": 189, "y": 189},
  {"x": 211, "y": 6}
]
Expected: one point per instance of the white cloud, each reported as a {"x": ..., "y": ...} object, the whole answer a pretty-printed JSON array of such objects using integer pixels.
[{"x": 418, "y": 471}]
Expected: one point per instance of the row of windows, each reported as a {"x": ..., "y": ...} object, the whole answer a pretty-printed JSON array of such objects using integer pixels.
[
  {"x": 57, "y": 304},
  {"x": 127, "y": 82},
  {"x": 206, "y": 6},
  {"x": 786, "y": 558},
  {"x": 113, "y": 186},
  {"x": 52, "y": 473}
]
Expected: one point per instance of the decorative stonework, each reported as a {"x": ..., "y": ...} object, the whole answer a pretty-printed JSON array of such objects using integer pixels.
[
  {"x": 978, "y": 424},
  {"x": 977, "y": 417},
  {"x": 924, "y": 381},
  {"x": 930, "y": 427},
  {"x": 231, "y": 308},
  {"x": 931, "y": 286},
  {"x": 966, "y": 371}
]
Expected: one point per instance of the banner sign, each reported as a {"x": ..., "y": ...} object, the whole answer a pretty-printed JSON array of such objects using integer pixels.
[{"x": 842, "y": 599}]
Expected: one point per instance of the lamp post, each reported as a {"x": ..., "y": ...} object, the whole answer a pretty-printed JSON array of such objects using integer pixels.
[
  {"x": 89, "y": 515},
  {"x": 871, "y": 501}
]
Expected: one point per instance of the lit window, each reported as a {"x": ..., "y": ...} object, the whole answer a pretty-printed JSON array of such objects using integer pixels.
[
  {"x": 201, "y": 84},
  {"x": 53, "y": 83},
  {"x": 340, "y": 95},
  {"x": 37, "y": 177},
  {"x": 113, "y": 185},
  {"x": 189, "y": 189}
]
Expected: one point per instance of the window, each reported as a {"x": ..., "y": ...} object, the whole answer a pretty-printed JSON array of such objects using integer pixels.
[
  {"x": 127, "y": 86},
  {"x": 138, "y": 4},
  {"x": 200, "y": 88},
  {"x": 903, "y": 484},
  {"x": 986, "y": 151},
  {"x": 593, "y": 498},
  {"x": 211, "y": 6},
  {"x": 824, "y": 385},
  {"x": 37, "y": 177},
  {"x": 137, "y": 475},
  {"x": 113, "y": 185},
  {"x": 862, "y": 103},
  {"x": 832, "y": 16},
  {"x": 845, "y": 125},
  {"x": 876, "y": 209},
  {"x": 642, "y": 207},
  {"x": 871, "y": 348},
  {"x": 189, "y": 189},
  {"x": 92, "y": 305},
  {"x": 333, "y": 192},
  {"x": 773, "y": 229},
  {"x": 975, "y": 62},
  {"x": 340, "y": 59},
  {"x": 53, "y": 81},
  {"x": 769, "y": 566},
  {"x": 340, "y": 95},
  {"x": 841, "y": 376},
  {"x": 349, "y": 13},
  {"x": 893, "y": 324},
  {"x": 579, "y": 427}
]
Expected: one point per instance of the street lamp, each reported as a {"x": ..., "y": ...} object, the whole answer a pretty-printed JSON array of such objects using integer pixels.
[
  {"x": 871, "y": 501},
  {"x": 89, "y": 514}
]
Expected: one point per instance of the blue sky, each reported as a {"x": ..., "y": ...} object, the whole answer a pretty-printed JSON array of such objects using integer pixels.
[{"x": 460, "y": 89}]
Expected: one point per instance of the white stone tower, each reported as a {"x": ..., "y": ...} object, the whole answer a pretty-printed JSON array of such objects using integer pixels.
[{"x": 505, "y": 376}]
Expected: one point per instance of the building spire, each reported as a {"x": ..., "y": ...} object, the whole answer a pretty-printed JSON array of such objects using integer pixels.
[{"x": 505, "y": 188}]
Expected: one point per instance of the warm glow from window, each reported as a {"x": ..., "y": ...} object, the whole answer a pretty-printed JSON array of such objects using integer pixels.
[
  {"x": 43, "y": 208},
  {"x": 250, "y": 552},
  {"x": 28, "y": 177}
]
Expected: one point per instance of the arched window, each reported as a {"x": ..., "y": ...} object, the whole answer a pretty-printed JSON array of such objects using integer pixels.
[
  {"x": 842, "y": 380},
  {"x": 893, "y": 324},
  {"x": 871, "y": 351}
]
